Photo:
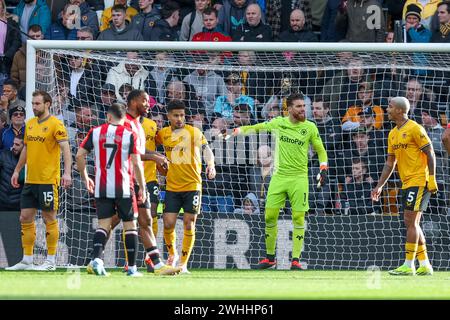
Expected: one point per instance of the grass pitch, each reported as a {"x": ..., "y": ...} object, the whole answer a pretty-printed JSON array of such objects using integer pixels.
[{"x": 223, "y": 284}]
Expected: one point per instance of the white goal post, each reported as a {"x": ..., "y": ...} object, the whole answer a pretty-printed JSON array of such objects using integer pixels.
[{"x": 344, "y": 231}]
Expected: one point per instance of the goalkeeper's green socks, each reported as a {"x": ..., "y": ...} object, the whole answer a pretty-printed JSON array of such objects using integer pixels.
[
  {"x": 298, "y": 234},
  {"x": 271, "y": 230}
]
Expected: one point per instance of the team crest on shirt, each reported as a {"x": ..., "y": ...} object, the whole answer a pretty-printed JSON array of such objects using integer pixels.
[
  {"x": 151, "y": 24},
  {"x": 404, "y": 136},
  {"x": 216, "y": 39},
  {"x": 84, "y": 18},
  {"x": 303, "y": 132},
  {"x": 44, "y": 129}
]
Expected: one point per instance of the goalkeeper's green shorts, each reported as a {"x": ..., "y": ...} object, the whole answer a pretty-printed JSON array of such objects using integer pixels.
[{"x": 295, "y": 188}]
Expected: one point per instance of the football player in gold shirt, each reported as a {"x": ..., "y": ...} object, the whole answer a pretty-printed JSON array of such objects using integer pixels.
[{"x": 410, "y": 148}]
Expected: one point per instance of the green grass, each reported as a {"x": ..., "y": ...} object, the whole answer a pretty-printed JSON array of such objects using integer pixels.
[{"x": 223, "y": 284}]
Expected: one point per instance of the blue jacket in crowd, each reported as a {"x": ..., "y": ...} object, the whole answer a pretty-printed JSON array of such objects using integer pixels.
[{"x": 41, "y": 14}]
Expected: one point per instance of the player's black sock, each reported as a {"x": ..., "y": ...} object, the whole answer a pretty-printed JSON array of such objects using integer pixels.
[
  {"x": 153, "y": 253},
  {"x": 271, "y": 257},
  {"x": 131, "y": 240},
  {"x": 99, "y": 242},
  {"x": 296, "y": 259}
]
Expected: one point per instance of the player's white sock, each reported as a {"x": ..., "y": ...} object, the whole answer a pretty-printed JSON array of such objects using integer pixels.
[
  {"x": 425, "y": 263},
  {"x": 51, "y": 258},
  {"x": 409, "y": 263},
  {"x": 27, "y": 259}
]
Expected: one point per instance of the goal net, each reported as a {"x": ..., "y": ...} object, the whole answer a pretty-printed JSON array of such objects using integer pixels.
[{"x": 347, "y": 92}]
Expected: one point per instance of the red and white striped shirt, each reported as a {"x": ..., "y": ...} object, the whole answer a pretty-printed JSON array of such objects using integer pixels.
[
  {"x": 135, "y": 126},
  {"x": 113, "y": 146}
]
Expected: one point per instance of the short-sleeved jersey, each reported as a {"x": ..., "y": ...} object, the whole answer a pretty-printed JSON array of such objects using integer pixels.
[
  {"x": 406, "y": 144},
  {"x": 183, "y": 149},
  {"x": 113, "y": 146},
  {"x": 292, "y": 144},
  {"x": 135, "y": 125},
  {"x": 42, "y": 140},
  {"x": 150, "y": 130}
]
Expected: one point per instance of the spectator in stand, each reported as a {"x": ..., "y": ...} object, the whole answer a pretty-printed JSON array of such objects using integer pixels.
[
  {"x": 415, "y": 31},
  {"x": 430, "y": 121},
  {"x": 208, "y": 85},
  {"x": 254, "y": 83},
  {"x": 362, "y": 25},
  {"x": 145, "y": 20},
  {"x": 120, "y": 29},
  {"x": 10, "y": 199},
  {"x": 15, "y": 129},
  {"x": 443, "y": 34},
  {"x": 351, "y": 119},
  {"x": 9, "y": 98},
  {"x": 390, "y": 37},
  {"x": 33, "y": 12},
  {"x": 334, "y": 21},
  {"x": 165, "y": 29},
  {"x": 211, "y": 31},
  {"x": 254, "y": 29},
  {"x": 65, "y": 27},
  {"x": 217, "y": 194},
  {"x": 197, "y": 118},
  {"x": 242, "y": 156},
  {"x": 88, "y": 17},
  {"x": 296, "y": 31},
  {"x": 415, "y": 94},
  {"x": 129, "y": 71},
  {"x": 343, "y": 86},
  {"x": 261, "y": 174},
  {"x": 85, "y": 34},
  {"x": 357, "y": 190},
  {"x": 366, "y": 149},
  {"x": 82, "y": 79},
  {"x": 86, "y": 118},
  {"x": 232, "y": 15},
  {"x": 107, "y": 97},
  {"x": 225, "y": 104},
  {"x": 279, "y": 14},
  {"x": 193, "y": 22},
  {"x": 177, "y": 90},
  {"x": 9, "y": 42},
  {"x": 159, "y": 120},
  {"x": 19, "y": 64},
  {"x": 331, "y": 134},
  {"x": 107, "y": 16},
  {"x": 446, "y": 138},
  {"x": 378, "y": 137},
  {"x": 428, "y": 9},
  {"x": 272, "y": 113},
  {"x": 249, "y": 205},
  {"x": 160, "y": 75},
  {"x": 124, "y": 91}
]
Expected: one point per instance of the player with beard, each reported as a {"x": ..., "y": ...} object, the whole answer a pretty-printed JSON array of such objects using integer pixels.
[{"x": 294, "y": 134}]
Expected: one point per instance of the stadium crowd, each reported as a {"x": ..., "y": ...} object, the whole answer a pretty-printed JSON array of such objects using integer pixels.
[{"x": 348, "y": 106}]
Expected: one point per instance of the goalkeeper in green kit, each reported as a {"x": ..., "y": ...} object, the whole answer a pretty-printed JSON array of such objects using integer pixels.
[{"x": 293, "y": 134}]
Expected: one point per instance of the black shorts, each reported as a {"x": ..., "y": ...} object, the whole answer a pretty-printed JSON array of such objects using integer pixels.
[
  {"x": 146, "y": 204},
  {"x": 126, "y": 208},
  {"x": 153, "y": 190},
  {"x": 415, "y": 198},
  {"x": 190, "y": 201},
  {"x": 39, "y": 196}
]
